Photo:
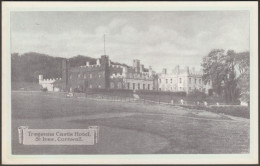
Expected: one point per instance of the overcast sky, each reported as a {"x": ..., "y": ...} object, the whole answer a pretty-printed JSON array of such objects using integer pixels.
[{"x": 159, "y": 39}]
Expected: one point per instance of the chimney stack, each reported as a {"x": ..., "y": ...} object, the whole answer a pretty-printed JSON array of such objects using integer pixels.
[
  {"x": 150, "y": 71},
  {"x": 136, "y": 65},
  {"x": 40, "y": 79},
  {"x": 193, "y": 70},
  {"x": 177, "y": 69},
  {"x": 142, "y": 68},
  {"x": 98, "y": 62},
  {"x": 187, "y": 69},
  {"x": 164, "y": 71}
]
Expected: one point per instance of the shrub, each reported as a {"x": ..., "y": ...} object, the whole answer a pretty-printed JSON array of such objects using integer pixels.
[
  {"x": 77, "y": 90},
  {"x": 153, "y": 92},
  {"x": 196, "y": 95},
  {"x": 44, "y": 89},
  {"x": 234, "y": 110}
]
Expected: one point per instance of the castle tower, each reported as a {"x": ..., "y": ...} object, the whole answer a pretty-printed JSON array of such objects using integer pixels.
[
  {"x": 65, "y": 74},
  {"x": 105, "y": 62}
]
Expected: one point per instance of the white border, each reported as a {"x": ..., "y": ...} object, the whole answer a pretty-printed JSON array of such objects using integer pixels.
[{"x": 8, "y": 158}]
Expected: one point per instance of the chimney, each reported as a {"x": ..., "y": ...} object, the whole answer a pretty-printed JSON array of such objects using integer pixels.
[
  {"x": 150, "y": 71},
  {"x": 177, "y": 69},
  {"x": 40, "y": 79},
  {"x": 164, "y": 71},
  {"x": 124, "y": 70},
  {"x": 98, "y": 62},
  {"x": 87, "y": 63},
  {"x": 142, "y": 68},
  {"x": 136, "y": 65},
  {"x": 187, "y": 69},
  {"x": 193, "y": 70}
]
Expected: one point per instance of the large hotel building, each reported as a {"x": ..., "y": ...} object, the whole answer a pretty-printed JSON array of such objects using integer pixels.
[{"x": 105, "y": 74}]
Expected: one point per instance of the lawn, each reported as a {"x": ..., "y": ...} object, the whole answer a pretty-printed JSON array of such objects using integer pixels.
[{"x": 128, "y": 127}]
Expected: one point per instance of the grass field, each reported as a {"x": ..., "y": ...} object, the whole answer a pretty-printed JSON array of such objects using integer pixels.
[{"x": 128, "y": 127}]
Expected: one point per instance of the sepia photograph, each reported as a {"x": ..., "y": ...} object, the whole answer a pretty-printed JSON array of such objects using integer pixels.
[{"x": 125, "y": 82}]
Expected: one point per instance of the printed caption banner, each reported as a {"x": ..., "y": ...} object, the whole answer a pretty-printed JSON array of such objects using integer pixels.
[{"x": 58, "y": 136}]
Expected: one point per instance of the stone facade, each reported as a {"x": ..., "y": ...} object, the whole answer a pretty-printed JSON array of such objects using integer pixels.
[
  {"x": 183, "y": 80},
  {"x": 89, "y": 76},
  {"x": 106, "y": 75}
]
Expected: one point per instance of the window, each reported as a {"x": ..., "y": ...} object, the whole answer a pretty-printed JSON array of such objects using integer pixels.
[
  {"x": 189, "y": 88},
  {"x": 112, "y": 85},
  {"x": 143, "y": 86},
  {"x": 189, "y": 80},
  {"x": 160, "y": 80},
  {"x": 166, "y": 81},
  {"x": 85, "y": 76},
  {"x": 138, "y": 86},
  {"x": 171, "y": 88},
  {"x": 99, "y": 75},
  {"x": 200, "y": 81},
  {"x": 71, "y": 76},
  {"x": 90, "y": 86},
  {"x": 78, "y": 75},
  {"x": 180, "y": 80},
  {"x": 133, "y": 85},
  {"x": 119, "y": 85},
  {"x": 148, "y": 86},
  {"x": 195, "y": 80},
  {"x": 171, "y": 80},
  {"x": 128, "y": 85},
  {"x": 90, "y": 76}
]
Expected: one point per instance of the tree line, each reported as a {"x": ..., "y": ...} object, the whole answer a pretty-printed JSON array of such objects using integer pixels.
[{"x": 27, "y": 67}]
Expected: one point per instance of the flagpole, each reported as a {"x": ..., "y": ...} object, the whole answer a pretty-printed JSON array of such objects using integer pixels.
[{"x": 104, "y": 44}]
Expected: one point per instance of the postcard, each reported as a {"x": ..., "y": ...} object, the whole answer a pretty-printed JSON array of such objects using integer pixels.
[{"x": 130, "y": 83}]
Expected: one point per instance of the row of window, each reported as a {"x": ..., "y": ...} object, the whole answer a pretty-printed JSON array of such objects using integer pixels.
[
  {"x": 180, "y": 88},
  {"x": 134, "y": 86},
  {"x": 135, "y": 75},
  {"x": 85, "y": 75},
  {"x": 180, "y": 80},
  {"x": 138, "y": 86}
]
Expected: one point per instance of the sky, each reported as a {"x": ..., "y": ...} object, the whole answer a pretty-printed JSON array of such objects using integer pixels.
[{"x": 157, "y": 39}]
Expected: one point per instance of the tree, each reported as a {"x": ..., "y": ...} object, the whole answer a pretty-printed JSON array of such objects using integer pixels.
[
  {"x": 243, "y": 66},
  {"x": 219, "y": 67}
]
